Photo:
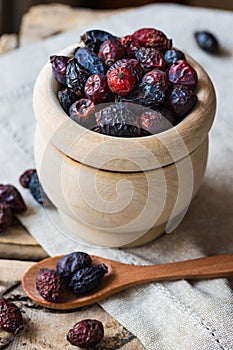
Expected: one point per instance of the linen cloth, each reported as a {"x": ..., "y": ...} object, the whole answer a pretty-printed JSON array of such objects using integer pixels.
[{"x": 178, "y": 315}]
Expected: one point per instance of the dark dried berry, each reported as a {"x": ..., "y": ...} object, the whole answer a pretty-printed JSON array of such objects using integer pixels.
[
  {"x": 82, "y": 113},
  {"x": 182, "y": 100},
  {"x": 130, "y": 64},
  {"x": 37, "y": 191},
  {"x": 121, "y": 81},
  {"x": 183, "y": 73},
  {"x": 70, "y": 263},
  {"x": 10, "y": 196},
  {"x": 146, "y": 95},
  {"x": 76, "y": 77},
  {"x": 86, "y": 333},
  {"x": 121, "y": 130},
  {"x": 207, "y": 41},
  {"x": 110, "y": 51},
  {"x": 11, "y": 319},
  {"x": 66, "y": 98},
  {"x": 171, "y": 56},
  {"x": 96, "y": 88},
  {"x": 155, "y": 121},
  {"x": 5, "y": 217},
  {"x": 157, "y": 76},
  {"x": 49, "y": 285},
  {"x": 59, "y": 65},
  {"x": 94, "y": 38},
  {"x": 87, "y": 279},
  {"x": 89, "y": 61},
  {"x": 151, "y": 37},
  {"x": 150, "y": 58},
  {"x": 127, "y": 42},
  {"x": 25, "y": 178}
]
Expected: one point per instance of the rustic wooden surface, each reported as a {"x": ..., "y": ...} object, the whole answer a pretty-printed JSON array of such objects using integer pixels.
[{"x": 44, "y": 328}]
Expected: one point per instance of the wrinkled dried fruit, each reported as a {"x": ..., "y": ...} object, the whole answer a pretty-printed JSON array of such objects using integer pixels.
[
  {"x": 10, "y": 196},
  {"x": 87, "y": 279},
  {"x": 157, "y": 76},
  {"x": 150, "y": 58},
  {"x": 11, "y": 319},
  {"x": 86, "y": 333},
  {"x": 146, "y": 95},
  {"x": 66, "y": 98},
  {"x": 70, "y": 263},
  {"x": 76, "y": 77},
  {"x": 182, "y": 100},
  {"x": 82, "y": 112},
  {"x": 5, "y": 217},
  {"x": 96, "y": 88},
  {"x": 94, "y": 38},
  {"x": 127, "y": 42},
  {"x": 49, "y": 284},
  {"x": 37, "y": 191},
  {"x": 151, "y": 37},
  {"x": 59, "y": 65},
  {"x": 157, "y": 121},
  {"x": 171, "y": 56},
  {"x": 181, "y": 72},
  {"x": 25, "y": 178},
  {"x": 89, "y": 61},
  {"x": 131, "y": 65},
  {"x": 121, "y": 81},
  {"x": 110, "y": 51},
  {"x": 207, "y": 41}
]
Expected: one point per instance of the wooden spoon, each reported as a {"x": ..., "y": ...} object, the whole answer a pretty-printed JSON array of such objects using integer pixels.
[{"x": 122, "y": 276}]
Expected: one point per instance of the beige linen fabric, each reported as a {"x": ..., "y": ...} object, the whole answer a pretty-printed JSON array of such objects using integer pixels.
[{"x": 165, "y": 316}]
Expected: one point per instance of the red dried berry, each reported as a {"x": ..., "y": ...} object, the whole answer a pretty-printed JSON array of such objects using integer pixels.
[
  {"x": 5, "y": 217},
  {"x": 183, "y": 73},
  {"x": 127, "y": 42},
  {"x": 121, "y": 81},
  {"x": 111, "y": 50},
  {"x": 182, "y": 100},
  {"x": 25, "y": 178},
  {"x": 86, "y": 333},
  {"x": 49, "y": 284},
  {"x": 10, "y": 196},
  {"x": 151, "y": 37},
  {"x": 157, "y": 121},
  {"x": 96, "y": 88},
  {"x": 59, "y": 65},
  {"x": 131, "y": 64},
  {"x": 157, "y": 76},
  {"x": 11, "y": 319},
  {"x": 150, "y": 58},
  {"x": 81, "y": 112}
]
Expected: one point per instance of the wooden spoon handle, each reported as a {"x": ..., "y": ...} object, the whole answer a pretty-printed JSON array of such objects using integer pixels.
[{"x": 208, "y": 267}]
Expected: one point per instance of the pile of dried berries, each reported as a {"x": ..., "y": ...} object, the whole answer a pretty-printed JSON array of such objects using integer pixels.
[
  {"x": 73, "y": 270},
  {"x": 11, "y": 202},
  {"x": 142, "y": 68}
]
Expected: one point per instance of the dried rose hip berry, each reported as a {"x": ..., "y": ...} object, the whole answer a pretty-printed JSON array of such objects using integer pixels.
[
  {"x": 66, "y": 98},
  {"x": 157, "y": 76},
  {"x": 96, "y": 88},
  {"x": 127, "y": 42},
  {"x": 49, "y": 285},
  {"x": 94, "y": 38},
  {"x": 182, "y": 100},
  {"x": 146, "y": 95},
  {"x": 10, "y": 196},
  {"x": 59, "y": 64},
  {"x": 207, "y": 41},
  {"x": 86, "y": 333},
  {"x": 89, "y": 61},
  {"x": 82, "y": 112},
  {"x": 130, "y": 64},
  {"x": 157, "y": 121},
  {"x": 87, "y": 279},
  {"x": 150, "y": 37},
  {"x": 70, "y": 263},
  {"x": 37, "y": 191},
  {"x": 150, "y": 58},
  {"x": 25, "y": 178},
  {"x": 5, "y": 217},
  {"x": 110, "y": 51},
  {"x": 76, "y": 77},
  {"x": 183, "y": 73},
  {"x": 121, "y": 81},
  {"x": 171, "y": 56},
  {"x": 121, "y": 130},
  {"x": 11, "y": 319}
]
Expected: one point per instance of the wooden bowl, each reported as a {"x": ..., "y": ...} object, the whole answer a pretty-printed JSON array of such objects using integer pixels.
[{"x": 114, "y": 191}]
